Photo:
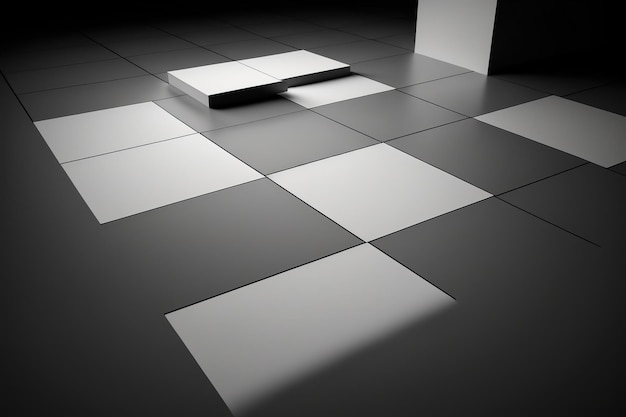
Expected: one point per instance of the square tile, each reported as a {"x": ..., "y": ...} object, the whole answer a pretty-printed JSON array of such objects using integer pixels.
[
  {"x": 564, "y": 74},
  {"x": 253, "y": 16},
  {"x": 377, "y": 190},
  {"x": 187, "y": 23},
  {"x": 24, "y": 60},
  {"x": 496, "y": 258},
  {"x": 214, "y": 36},
  {"x": 584, "y": 131},
  {"x": 588, "y": 201},
  {"x": 403, "y": 40},
  {"x": 202, "y": 118},
  {"x": 608, "y": 97},
  {"x": 150, "y": 45},
  {"x": 112, "y": 32},
  {"x": 619, "y": 168},
  {"x": 103, "y": 131},
  {"x": 193, "y": 250},
  {"x": 298, "y": 67},
  {"x": 255, "y": 340},
  {"x": 250, "y": 48},
  {"x": 402, "y": 114},
  {"x": 160, "y": 62},
  {"x": 473, "y": 94},
  {"x": 282, "y": 28},
  {"x": 49, "y": 104},
  {"x": 382, "y": 28},
  {"x": 317, "y": 38},
  {"x": 29, "y": 40},
  {"x": 343, "y": 16},
  {"x": 225, "y": 84},
  {"x": 490, "y": 158},
  {"x": 332, "y": 91},
  {"x": 283, "y": 142},
  {"x": 359, "y": 51},
  {"x": 406, "y": 69},
  {"x": 132, "y": 181},
  {"x": 70, "y": 75}
]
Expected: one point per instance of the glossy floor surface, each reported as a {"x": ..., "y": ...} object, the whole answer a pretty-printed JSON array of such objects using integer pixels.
[{"x": 414, "y": 239}]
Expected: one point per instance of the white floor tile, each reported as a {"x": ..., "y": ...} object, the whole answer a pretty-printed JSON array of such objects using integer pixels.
[
  {"x": 132, "y": 181},
  {"x": 377, "y": 190},
  {"x": 332, "y": 91},
  {"x": 255, "y": 340},
  {"x": 103, "y": 131},
  {"x": 295, "y": 64},
  {"x": 578, "y": 129}
]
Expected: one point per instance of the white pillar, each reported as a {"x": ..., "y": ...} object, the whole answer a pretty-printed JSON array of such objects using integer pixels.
[{"x": 456, "y": 31}]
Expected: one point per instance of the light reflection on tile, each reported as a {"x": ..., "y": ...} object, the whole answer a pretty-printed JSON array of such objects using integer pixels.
[
  {"x": 255, "y": 340},
  {"x": 377, "y": 190},
  {"x": 93, "y": 133},
  {"x": 584, "y": 131},
  {"x": 332, "y": 91},
  {"x": 135, "y": 180}
]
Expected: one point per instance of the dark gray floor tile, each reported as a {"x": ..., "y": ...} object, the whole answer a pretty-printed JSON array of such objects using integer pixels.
[
  {"x": 71, "y": 75},
  {"x": 172, "y": 60},
  {"x": 263, "y": 14},
  {"x": 282, "y": 28},
  {"x": 490, "y": 158},
  {"x": 487, "y": 252},
  {"x": 619, "y": 168},
  {"x": 607, "y": 97},
  {"x": 258, "y": 222},
  {"x": 530, "y": 300},
  {"x": 47, "y": 39},
  {"x": 388, "y": 115},
  {"x": 182, "y": 24},
  {"x": 589, "y": 201},
  {"x": 251, "y": 48},
  {"x": 202, "y": 118},
  {"x": 108, "y": 33},
  {"x": 150, "y": 45},
  {"x": 358, "y": 51},
  {"x": 563, "y": 75},
  {"x": 83, "y": 98},
  {"x": 284, "y": 142},
  {"x": 406, "y": 69},
  {"x": 381, "y": 28},
  {"x": 25, "y": 60},
  {"x": 403, "y": 40},
  {"x": 473, "y": 94},
  {"x": 214, "y": 36},
  {"x": 342, "y": 16},
  {"x": 317, "y": 38}
]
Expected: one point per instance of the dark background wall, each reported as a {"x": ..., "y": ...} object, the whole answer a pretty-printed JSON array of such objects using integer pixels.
[{"x": 531, "y": 31}]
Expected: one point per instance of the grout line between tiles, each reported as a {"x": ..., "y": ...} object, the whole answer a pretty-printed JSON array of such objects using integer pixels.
[
  {"x": 549, "y": 222},
  {"x": 62, "y": 65},
  {"x": 582, "y": 163},
  {"x": 126, "y": 149},
  {"x": 17, "y": 97},
  {"x": 322, "y": 159},
  {"x": 432, "y": 218},
  {"x": 415, "y": 272},
  {"x": 266, "y": 277},
  {"x": 122, "y": 57},
  {"x": 85, "y": 84}
]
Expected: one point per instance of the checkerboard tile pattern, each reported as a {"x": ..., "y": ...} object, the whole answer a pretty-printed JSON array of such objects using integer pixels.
[{"x": 378, "y": 244}]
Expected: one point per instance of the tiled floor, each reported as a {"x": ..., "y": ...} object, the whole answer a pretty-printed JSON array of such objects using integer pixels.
[{"x": 412, "y": 239}]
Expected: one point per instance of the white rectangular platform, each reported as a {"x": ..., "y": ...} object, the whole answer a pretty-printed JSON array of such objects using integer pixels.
[
  {"x": 238, "y": 82},
  {"x": 225, "y": 84},
  {"x": 298, "y": 67}
]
